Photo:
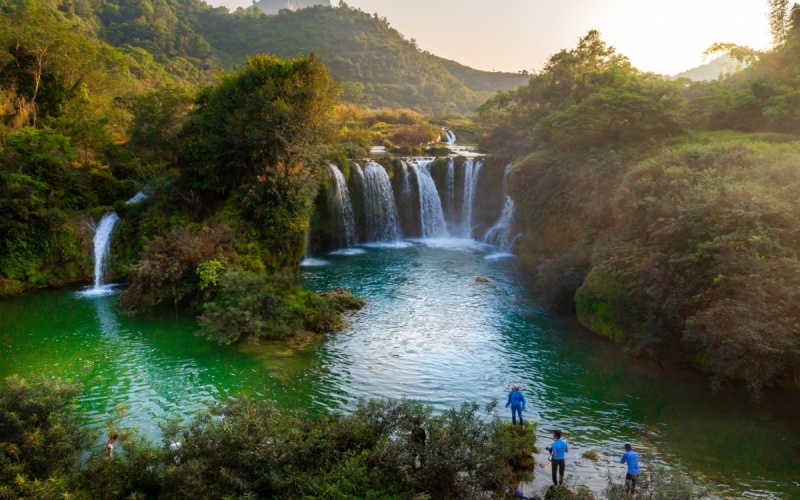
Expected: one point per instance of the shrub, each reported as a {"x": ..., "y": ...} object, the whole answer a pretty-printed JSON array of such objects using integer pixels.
[
  {"x": 261, "y": 306},
  {"x": 657, "y": 483},
  {"x": 41, "y": 438},
  {"x": 250, "y": 449},
  {"x": 169, "y": 267}
]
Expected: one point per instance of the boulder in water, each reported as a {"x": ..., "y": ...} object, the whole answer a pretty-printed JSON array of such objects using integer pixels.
[{"x": 592, "y": 455}]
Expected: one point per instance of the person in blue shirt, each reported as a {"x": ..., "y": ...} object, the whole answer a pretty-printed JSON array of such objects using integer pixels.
[
  {"x": 632, "y": 459},
  {"x": 517, "y": 402},
  {"x": 557, "y": 450}
]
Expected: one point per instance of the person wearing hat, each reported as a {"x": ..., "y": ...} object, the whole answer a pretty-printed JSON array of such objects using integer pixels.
[
  {"x": 632, "y": 459},
  {"x": 517, "y": 402}
]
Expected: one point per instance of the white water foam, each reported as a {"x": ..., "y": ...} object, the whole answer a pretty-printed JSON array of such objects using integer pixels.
[
  {"x": 499, "y": 255},
  {"x": 100, "y": 291},
  {"x": 453, "y": 243},
  {"x": 388, "y": 244},
  {"x": 310, "y": 262},
  {"x": 348, "y": 251}
]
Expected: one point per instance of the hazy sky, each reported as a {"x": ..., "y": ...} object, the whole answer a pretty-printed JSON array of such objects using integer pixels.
[{"x": 666, "y": 36}]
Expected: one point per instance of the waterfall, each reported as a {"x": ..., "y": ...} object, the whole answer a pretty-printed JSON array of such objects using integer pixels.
[
  {"x": 308, "y": 260},
  {"x": 499, "y": 234},
  {"x": 102, "y": 246},
  {"x": 471, "y": 172},
  {"x": 406, "y": 186},
  {"x": 137, "y": 198},
  {"x": 431, "y": 215},
  {"x": 451, "y": 190},
  {"x": 379, "y": 205},
  {"x": 451, "y": 137},
  {"x": 341, "y": 206}
]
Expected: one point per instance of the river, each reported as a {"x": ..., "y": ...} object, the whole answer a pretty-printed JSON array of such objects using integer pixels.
[{"x": 445, "y": 322}]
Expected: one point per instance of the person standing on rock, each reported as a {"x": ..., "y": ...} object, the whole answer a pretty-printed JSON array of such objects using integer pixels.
[
  {"x": 557, "y": 451},
  {"x": 632, "y": 459},
  {"x": 517, "y": 402}
]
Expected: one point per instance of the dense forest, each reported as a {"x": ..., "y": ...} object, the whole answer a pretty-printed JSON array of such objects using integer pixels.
[{"x": 665, "y": 212}]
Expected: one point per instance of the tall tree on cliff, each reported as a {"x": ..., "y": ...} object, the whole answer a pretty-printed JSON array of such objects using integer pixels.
[{"x": 251, "y": 137}]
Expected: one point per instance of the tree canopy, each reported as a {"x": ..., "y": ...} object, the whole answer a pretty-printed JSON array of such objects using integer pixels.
[{"x": 664, "y": 212}]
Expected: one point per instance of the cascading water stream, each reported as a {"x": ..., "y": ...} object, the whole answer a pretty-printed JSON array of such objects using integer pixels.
[
  {"x": 431, "y": 214},
  {"x": 471, "y": 172},
  {"x": 308, "y": 260},
  {"x": 499, "y": 235},
  {"x": 341, "y": 206},
  {"x": 451, "y": 137},
  {"x": 406, "y": 186},
  {"x": 451, "y": 190},
  {"x": 102, "y": 247},
  {"x": 381, "y": 210}
]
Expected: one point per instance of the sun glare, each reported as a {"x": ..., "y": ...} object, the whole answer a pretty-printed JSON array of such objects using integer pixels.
[{"x": 663, "y": 37}]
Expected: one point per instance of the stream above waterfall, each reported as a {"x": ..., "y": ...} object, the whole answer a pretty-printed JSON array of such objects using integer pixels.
[{"x": 430, "y": 331}]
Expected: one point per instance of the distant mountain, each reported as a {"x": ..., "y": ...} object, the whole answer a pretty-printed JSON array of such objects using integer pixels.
[
  {"x": 275, "y": 6},
  {"x": 484, "y": 81},
  {"x": 721, "y": 66},
  {"x": 374, "y": 63}
]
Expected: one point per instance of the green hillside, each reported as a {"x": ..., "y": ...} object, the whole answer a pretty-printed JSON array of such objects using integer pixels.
[
  {"x": 379, "y": 66},
  {"x": 664, "y": 213},
  {"x": 484, "y": 81},
  {"x": 374, "y": 63}
]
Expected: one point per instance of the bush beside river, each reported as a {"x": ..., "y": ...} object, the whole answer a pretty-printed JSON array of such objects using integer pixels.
[{"x": 250, "y": 449}]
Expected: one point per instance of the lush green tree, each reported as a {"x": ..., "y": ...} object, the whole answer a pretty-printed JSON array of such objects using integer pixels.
[
  {"x": 42, "y": 436},
  {"x": 778, "y": 20},
  {"x": 158, "y": 117},
  {"x": 50, "y": 61},
  {"x": 585, "y": 97},
  {"x": 269, "y": 111},
  {"x": 87, "y": 130},
  {"x": 251, "y": 137},
  {"x": 705, "y": 257}
]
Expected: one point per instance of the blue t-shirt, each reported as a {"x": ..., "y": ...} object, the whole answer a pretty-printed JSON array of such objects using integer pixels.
[
  {"x": 632, "y": 458},
  {"x": 559, "y": 448}
]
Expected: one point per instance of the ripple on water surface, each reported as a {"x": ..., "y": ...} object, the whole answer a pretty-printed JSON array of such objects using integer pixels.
[{"x": 442, "y": 323}]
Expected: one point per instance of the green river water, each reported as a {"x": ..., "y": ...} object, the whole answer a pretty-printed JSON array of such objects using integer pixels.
[{"x": 429, "y": 331}]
